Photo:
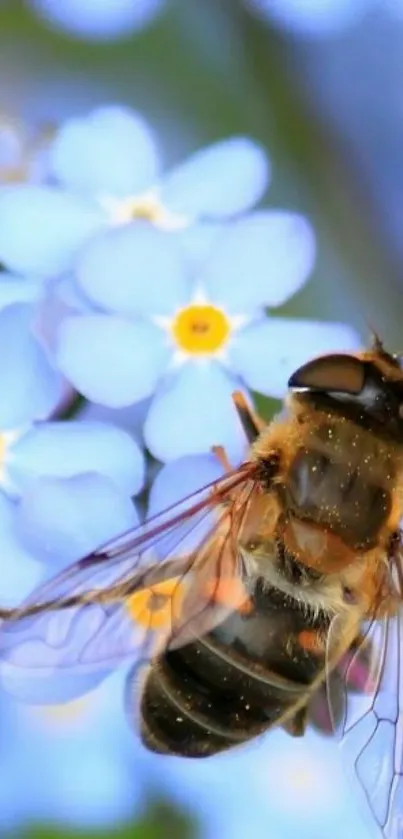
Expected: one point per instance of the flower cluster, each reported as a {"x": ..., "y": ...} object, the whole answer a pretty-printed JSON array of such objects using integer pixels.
[
  {"x": 161, "y": 281},
  {"x": 150, "y": 294},
  {"x": 98, "y": 20}
]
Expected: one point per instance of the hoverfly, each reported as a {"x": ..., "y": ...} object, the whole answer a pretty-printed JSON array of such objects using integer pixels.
[{"x": 243, "y": 599}]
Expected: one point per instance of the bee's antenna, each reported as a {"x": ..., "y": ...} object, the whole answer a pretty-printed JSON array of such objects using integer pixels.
[
  {"x": 376, "y": 341},
  {"x": 250, "y": 422},
  {"x": 378, "y": 347}
]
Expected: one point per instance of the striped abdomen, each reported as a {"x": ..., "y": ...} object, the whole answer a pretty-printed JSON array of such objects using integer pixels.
[{"x": 234, "y": 683}]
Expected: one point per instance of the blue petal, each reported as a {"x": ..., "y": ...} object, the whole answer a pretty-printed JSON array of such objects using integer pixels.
[
  {"x": 19, "y": 573},
  {"x": 222, "y": 180},
  {"x": 98, "y": 20},
  {"x": 41, "y": 228},
  {"x": 233, "y": 808},
  {"x": 12, "y": 142},
  {"x": 130, "y": 419},
  {"x": 267, "y": 352},
  {"x": 143, "y": 259},
  {"x": 15, "y": 289},
  {"x": 110, "y": 360},
  {"x": 193, "y": 412},
  {"x": 65, "y": 449},
  {"x": 178, "y": 479},
  {"x": 30, "y": 387},
  {"x": 260, "y": 260},
  {"x": 68, "y": 292},
  {"x": 312, "y": 18},
  {"x": 258, "y": 782},
  {"x": 103, "y": 793},
  {"x": 176, "y": 482},
  {"x": 111, "y": 152},
  {"x": 198, "y": 241},
  {"x": 393, "y": 7},
  {"x": 47, "y": 685},
  {"x": 86, "y": 740},
  {"x": 64, "y": 519},
  {"x": 60, "y": 301}
]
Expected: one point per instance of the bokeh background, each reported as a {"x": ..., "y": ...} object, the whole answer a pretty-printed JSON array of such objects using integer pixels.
[{"x": 318, "y": 84}]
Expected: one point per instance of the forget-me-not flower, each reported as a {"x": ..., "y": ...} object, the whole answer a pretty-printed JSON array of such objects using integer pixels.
[
  {"x": 23, "y": 152},
  {"x": 294, "y": 786},
  {"x": 321, "y": 18},
  {"x": 65, "y": 487},
  {"x": 312, "y": 18},
  {"x": 192, "y": 338},
  {"x": 31, "y": 385},
  {"x": 108, "y": 172},
  {"x": 84, "y": 750},
  {"x": 98, "y": 20}
]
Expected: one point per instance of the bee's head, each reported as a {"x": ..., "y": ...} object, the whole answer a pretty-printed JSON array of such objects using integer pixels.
[{"x": 359, "y": 388}]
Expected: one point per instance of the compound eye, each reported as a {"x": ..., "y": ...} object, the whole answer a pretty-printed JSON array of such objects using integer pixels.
[{"x": 335, "y": 373}]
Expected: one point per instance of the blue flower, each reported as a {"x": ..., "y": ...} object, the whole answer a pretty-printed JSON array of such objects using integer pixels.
[
  {"x": 31, "y": 385},
  {"x": 312, "y": 18},
  {"x": 107, "y": 167},
  {"x": 394, "y": 8},
  {"x": 64, "y": 489},
  {"x": 98, "y": 20},
  {"x": 23, "y": 153},
  {"x": 83, "y": 748},
  {"x": 241, "y": 793},
  {"x": 189, "y": 339}
]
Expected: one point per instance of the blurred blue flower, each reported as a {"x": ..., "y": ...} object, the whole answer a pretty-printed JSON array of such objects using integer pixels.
[
  {"x": 67, "y": 488},
  {"x": 107, "y": 166},
  {"x": 98, "y": 20},
  {"x": 74, "y": 481},
  {"x": 311, "y": 18},
  {"x": 275, "y": 786},
  {"x": 193, "y": 339},
  {"x": 64, "y": 489},
  {"x": 32, "y": 387},
  {"x": 23, "y": 152},
  {"x": 394, "y": 7},
  {"x": 83, "y": 749}
]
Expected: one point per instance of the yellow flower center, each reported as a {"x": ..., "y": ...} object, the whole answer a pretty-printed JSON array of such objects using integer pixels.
[
  {"x": 66, "y": 715},
  {"x": 201, "y": 329},
  {"x": 157, "y": 607},
  {"x": 146, "y": 207},
  {"x": 4, "y": 443}
]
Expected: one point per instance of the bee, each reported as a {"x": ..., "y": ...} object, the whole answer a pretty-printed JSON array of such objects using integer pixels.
[{"x": 243, "y": 600}]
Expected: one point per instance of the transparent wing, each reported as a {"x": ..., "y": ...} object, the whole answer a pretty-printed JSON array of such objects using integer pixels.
[
  {"x": 159, "y": 584},
  {"x": 370, "y": 726}
]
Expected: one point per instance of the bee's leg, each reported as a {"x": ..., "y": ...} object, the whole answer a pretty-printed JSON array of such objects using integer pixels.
[
  {"x": 251, "y": 423},
  {"x": 395, "y": 555},
  {"x": 297, "y": 724}
]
